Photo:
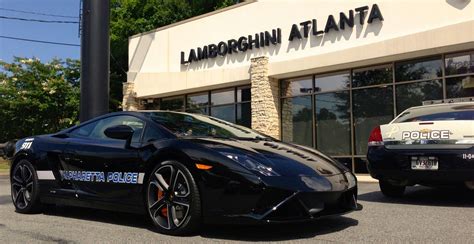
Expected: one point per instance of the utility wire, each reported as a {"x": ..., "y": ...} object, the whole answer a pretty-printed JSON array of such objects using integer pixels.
[
  {"x": 40, "y": 20},
  {"x": 39, "y": 41},
  {"x": 117, "y": 63},
  {"x": 37, "y": 13}
]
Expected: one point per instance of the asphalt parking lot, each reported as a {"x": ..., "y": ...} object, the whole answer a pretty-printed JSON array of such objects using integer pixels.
[{"x": 425, "y": 215}]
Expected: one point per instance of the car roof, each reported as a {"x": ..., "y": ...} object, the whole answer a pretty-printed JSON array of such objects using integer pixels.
[
  {"x": 440, "y": 105},
  {"x": 435, "y": 108}
]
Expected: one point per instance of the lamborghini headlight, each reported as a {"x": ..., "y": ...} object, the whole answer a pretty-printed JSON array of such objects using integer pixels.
[
  {"x": 350, "y": 179},
  {"x": 251, "y": 164}
]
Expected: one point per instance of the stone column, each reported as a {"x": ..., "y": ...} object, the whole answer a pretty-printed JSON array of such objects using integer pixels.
[
  {"x": 265, "y": 99},
  {"x": 130, "y": 101}
]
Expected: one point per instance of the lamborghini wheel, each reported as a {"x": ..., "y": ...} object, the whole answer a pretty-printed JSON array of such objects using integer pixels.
[
  {"x": 173, "y": 200},
  {"x": 25, "y": 188}
]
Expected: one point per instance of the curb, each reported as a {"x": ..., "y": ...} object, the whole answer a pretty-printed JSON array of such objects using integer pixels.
[
  {"x": 366, "y": 179},
  {"x": 4, "y": 173}
]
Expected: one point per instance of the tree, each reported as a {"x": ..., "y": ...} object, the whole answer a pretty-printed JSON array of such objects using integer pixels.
[
  {"x": 38, "y": 98},
  {"x": 130, "y": 17}
]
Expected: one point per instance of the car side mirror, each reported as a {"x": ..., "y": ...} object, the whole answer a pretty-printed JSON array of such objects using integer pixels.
[{"x": 120, "y": 132}]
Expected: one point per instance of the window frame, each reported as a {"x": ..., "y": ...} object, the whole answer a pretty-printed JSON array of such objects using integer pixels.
[{"x": 97, "y": 120}]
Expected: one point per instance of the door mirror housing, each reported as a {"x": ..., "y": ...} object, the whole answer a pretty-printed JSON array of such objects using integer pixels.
[{"x": 120, "y": 132}]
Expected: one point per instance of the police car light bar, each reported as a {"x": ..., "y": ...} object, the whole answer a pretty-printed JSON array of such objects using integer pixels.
[{"x": 451, "y": 100}]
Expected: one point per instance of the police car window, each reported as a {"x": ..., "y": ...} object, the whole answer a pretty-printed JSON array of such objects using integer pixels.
[
  {"x": 103, "y": 124},
  {"x": 437, "y": 114},
  {"x": 84, "y": 130},
  {"x": 152, "y": 134}
]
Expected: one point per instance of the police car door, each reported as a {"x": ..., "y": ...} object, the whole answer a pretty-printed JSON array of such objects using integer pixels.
[{"x": 102, "y": 168}]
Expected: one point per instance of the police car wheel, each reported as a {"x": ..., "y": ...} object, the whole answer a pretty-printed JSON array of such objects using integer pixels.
[
  {"x": 25, "y": 188},
  {"x": 391, "y": 190},
  {"x": 173, "y": 199}
]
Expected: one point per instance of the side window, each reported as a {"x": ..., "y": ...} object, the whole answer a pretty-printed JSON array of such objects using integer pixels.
[
  {"x": 84, "y": 130},
  {"x": 151, "y": 134},
  {"x": 103, "y": 124}
]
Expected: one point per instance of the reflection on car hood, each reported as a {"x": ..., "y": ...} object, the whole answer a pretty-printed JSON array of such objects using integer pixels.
[{"x": 285, "y": 159}]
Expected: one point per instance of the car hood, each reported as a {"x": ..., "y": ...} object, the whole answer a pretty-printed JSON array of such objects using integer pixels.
[{"x": 284, "y": 158}]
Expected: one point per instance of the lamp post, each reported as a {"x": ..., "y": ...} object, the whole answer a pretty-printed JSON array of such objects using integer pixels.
[{"x": 95, "y": 64}]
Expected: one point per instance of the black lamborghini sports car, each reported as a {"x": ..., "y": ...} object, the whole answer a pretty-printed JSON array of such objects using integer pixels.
[{"x": 181, "y": 170}]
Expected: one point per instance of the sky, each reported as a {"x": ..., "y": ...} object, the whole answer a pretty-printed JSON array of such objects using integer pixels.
[{"x": 52, "y": 32}]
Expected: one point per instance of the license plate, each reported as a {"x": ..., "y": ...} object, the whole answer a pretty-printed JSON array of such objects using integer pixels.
[{"x": 424, "y": 163}]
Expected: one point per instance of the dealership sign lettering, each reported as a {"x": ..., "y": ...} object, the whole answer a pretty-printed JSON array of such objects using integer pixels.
[{"x": 274, "y": 37}]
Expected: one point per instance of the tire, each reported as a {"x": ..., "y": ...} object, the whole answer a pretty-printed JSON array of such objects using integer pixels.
[
  {"x": 25, "y": 188},
  {"x": 172, "y": 199},
  {"x": 391, "y": 190}
]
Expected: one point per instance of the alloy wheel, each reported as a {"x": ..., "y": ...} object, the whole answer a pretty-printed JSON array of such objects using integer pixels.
[
  {"x": 22, "y": 186},
  {"x": 169, "y": 197}
]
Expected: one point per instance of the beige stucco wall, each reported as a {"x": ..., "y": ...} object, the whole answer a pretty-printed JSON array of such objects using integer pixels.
[{"x": 410, "y": 29}]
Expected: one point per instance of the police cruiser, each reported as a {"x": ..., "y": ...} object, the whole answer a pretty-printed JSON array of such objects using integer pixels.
[{"x": 428, "y": 145}]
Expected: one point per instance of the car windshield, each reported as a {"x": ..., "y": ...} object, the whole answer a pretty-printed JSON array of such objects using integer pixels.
[
  {"x": 437, "y": 113},
  {"x": 194, "y": 125}
]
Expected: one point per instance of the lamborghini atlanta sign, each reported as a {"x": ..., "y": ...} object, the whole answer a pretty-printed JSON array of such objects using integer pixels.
[{"x": 274, "y": 37}]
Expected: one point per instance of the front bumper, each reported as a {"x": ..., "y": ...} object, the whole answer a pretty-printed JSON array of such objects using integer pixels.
[
  {"x": 277, "y": 206},
  {"x": 395, "y": 164}
]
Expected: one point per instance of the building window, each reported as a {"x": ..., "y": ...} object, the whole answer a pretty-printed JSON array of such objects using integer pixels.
[
  {"x": 243, "y": 94},
  {"x": 457, "y": 64},
  {"x": 224, "y": 112},
  {"x": 231, "y": 104},
  {"x": 198, "y": 103},
  {"x": 172, "y": 103},
  {"x": 332, "y": 82},
  {"x": 223, "y": 104},
  {"x": 420, "y": 69},
  {"x": 460, "y": 86},
  {"x": 297, "y": 120},
  {"x": 372, "y": 76},
  {"x": 296, "y": 87},
  {"x": 244, "y": 108},
  {"x": 371, "y": 107},
  {"x": 222, "y": 97},
  {"x": 360, "y": 165},
  {"x": 333, "y": 127},
  {"x": 347, "y": 107},
  {"x": 413, "y": 94},
  {"x": 459, "y": 69}
]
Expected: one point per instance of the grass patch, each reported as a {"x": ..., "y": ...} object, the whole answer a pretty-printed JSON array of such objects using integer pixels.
[{"x": 4, "y": 165}]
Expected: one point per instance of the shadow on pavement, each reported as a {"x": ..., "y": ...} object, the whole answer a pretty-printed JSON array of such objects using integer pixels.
[
  {"x": 274, "y": 232},
  {"x": 279, "y": 232},
  {"x": 448, "y": 196},
  {"x": 98, "y": 215}
]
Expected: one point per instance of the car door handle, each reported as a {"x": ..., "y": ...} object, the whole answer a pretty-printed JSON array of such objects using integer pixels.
[{"x": 71, "y": 156}]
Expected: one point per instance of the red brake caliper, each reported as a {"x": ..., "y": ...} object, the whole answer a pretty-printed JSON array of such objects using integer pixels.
[{"x": 164, "y": 211}]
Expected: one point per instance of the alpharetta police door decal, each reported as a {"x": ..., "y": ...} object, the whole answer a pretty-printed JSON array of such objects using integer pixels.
[{"x": 103, "y": 177}]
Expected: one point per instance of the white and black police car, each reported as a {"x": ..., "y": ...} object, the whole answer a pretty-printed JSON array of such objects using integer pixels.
[{"x": 428, "y": 145}]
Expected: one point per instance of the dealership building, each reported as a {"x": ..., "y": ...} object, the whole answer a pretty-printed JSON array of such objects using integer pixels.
[{"x": 315, "y": 72}]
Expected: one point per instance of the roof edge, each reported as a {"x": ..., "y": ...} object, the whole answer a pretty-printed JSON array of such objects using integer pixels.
[{"x": 195, "y": 18}]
